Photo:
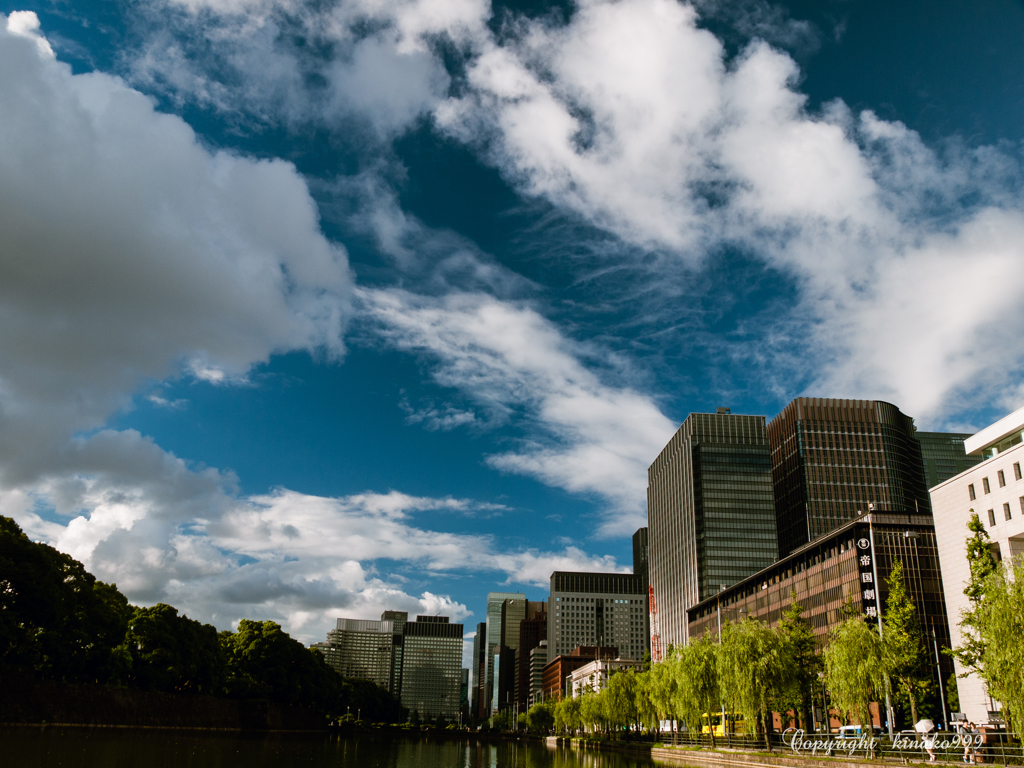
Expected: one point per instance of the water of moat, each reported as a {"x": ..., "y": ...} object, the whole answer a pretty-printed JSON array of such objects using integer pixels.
[{"x": 122, "y": 748}]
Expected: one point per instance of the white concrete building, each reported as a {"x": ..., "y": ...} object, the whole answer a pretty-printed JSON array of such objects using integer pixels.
[
  {"x": 595, "y": 674},
  {"x": 994, "y": 489}
]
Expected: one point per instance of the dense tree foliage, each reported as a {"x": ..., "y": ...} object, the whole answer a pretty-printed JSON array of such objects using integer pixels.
[
  {"x": 806, "y": 659},
  {"x": 982, "y": 565},
  {"x": 853, "y": 668},
  {"x": 56, "y": 619},
  {"x": 999, "y": 623},
  {"x": 904, "y": 654},
  {"x": 58, "y": 622}
]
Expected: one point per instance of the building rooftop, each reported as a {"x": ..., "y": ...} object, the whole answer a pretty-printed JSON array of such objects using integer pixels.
[{"x": 1006, "y": 429}]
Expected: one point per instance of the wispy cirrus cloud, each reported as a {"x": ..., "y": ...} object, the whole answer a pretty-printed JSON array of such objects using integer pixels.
[{"x": 583, "y": 435}]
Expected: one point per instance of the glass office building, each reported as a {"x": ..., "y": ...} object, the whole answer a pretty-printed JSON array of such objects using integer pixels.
[
  {"x": 943, "y": 456},
  {"x": 833, "y": 460},
  {"x": 710, "y": 512}
]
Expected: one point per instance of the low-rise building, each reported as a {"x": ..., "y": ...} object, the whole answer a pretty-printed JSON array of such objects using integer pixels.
[
  {"x": 994, "y": 490},
  {"x": 594, "y": 676},
  {"x": 556, "y": 674}
]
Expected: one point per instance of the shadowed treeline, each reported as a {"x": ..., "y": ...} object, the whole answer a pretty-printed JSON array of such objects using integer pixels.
[{"x": 59, "y": 626}]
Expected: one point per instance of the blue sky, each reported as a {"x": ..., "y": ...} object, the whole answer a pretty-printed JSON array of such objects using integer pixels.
[{"x": 317, "y": 309}]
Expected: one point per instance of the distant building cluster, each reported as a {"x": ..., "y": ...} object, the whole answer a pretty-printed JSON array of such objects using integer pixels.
[{"x": 743, "y": 515}]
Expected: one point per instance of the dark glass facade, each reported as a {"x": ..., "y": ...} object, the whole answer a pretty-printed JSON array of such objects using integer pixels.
[
  {"x": 710, "y": 511},
  {"x": 852, "y": 563},
  {"x": 943, "y": 456},
  {"x": 831, "y": 459}
]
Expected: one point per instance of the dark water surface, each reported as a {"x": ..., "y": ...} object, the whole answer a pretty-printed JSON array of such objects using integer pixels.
[{"x": 115, "y": 748}]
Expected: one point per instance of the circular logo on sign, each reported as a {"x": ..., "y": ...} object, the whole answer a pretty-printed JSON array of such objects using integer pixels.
[{"x": 863, "y": 543}]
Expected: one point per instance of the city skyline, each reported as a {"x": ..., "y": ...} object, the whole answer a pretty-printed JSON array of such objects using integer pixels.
[{"x": 321, "y": 310}]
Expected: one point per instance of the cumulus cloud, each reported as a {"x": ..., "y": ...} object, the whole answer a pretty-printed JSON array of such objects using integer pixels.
[
  {"x": 186, "y": 538},
  {"x": 588, "y": 437},
  {"x": 129, "y": 252}
]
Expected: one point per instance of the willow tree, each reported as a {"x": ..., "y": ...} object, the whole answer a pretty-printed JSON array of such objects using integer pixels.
[
  {"x": 697, "y": 678},
  {"x": 567, "y": 714},
  {"x": 853, "y": 668},
  {"x": 806, "y": 658},
  {"x": 903, "y": 651},
  {"x": 622, "y": 699},
  {"x": 979, "y": 557},
  {"x": 756, "y": 668},
  {"x": 647, "y": 712},
  {"x": 1000, "y": 626},
  {"x": 663, "y": 687}
]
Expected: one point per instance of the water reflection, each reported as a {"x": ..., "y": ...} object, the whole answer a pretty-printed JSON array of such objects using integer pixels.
[{"x": 115, "y": 748}]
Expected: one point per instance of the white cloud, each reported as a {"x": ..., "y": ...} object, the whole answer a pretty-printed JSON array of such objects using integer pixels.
[
  {"x": 26, "y": 24},
  {"x": 589, "y": 437},
  {"x": 163, "y": 532},
  {"x": 630, "y": 116},
  {"x": 128, "y": 249}
]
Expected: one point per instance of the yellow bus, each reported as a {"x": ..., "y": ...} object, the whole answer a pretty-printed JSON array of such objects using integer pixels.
[{"x": 737, "y": 726}]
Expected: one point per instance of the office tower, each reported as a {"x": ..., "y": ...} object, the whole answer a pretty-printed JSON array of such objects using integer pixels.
[
  {"x": 641, "y": 568},
  {"x": 993, "y": 490},
  {"x": 538, "y": 660},
  {"x": 432, "y": 667},
  {"x": 495, "y": 638},
  {"x": 532, "y": 632},
  {"x": 464, "y": 694},
  {"x": 944, "y": 456},
  {"x": 831, "y": 459},
  {"x": 710, "y": 513},
  {"x": 479, "y": 665},
  {"x": 367, "y": 649},
  {"x": 597, "y": 609}
]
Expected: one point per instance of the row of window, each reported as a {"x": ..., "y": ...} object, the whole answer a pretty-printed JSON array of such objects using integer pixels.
[
  {"x": 1000, "y": 477},
  {"x": 1006, "y": 513}
]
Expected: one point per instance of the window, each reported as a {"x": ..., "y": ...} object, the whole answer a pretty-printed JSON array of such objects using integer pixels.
[
  {"x": 1006, "y": 510},
  {"x": 991, "y": 517},
  {"x": 1016, "y": 470},
  {"x": 984, "y": 485},
  {"x": 970, "y": 491},
  {"x": 1002, "y": 478}
]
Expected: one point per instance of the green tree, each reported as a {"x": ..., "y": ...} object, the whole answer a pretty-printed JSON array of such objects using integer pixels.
[
  {"x": 806, "y": 658},
  {"x": 663, "y": 687},
  {"x": 647, "y": 713},
  {"x": 756, "y": 669},
  {"x": 697, "y": 680},
  {"x": 999, "y": 622},
  {"x": 982, "y": 564},
  {"x": 904, "y": 656},
  {"x": 853, "y": 668},
  {"x": 169, "y": 652},
  {"x": 621, "y": 695},
  {"x": 56, "y": 619},
  {"x": 541, "y": 717},
  {"x": 567, "y": 715}
]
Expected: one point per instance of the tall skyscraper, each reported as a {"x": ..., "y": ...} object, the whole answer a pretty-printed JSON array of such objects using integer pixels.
[
  {"x": 432, "y": 667},
  {"x": 532, "y": 632},
  {"x": 597, "y": 609},
  {"x": 710, "y": 513},
  {"x": 495, "y": 639},
  {"x": 479, "y": 666},
  {"x": 419, "y": 662},
  {"x": 642, "y": 569},
  {"x": 944, "y": 456},
  {"x": 367, "y": 650},
  {"x": 831, "y": 459}
]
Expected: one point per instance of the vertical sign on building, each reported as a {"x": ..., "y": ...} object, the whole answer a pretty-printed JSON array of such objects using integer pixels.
[{"x": 868, "y": 593}]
